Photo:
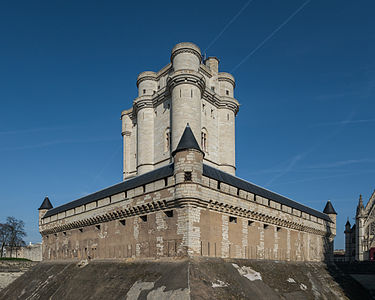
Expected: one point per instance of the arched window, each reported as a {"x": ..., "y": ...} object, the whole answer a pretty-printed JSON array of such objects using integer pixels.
[
  {"x": 167, "y": 140},
  {"x": 204, "y": 138}
]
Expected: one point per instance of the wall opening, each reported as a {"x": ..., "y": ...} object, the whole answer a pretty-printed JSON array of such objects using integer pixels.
[
  {"x": 123, "y": 222},
  {"x": 187, "y": 176},
  {"x": 232, "y": 219},
  {"x": 265, "y": 226},
  {"x": 97, "y": 227},
  {"x": 169, "y": 213},
  {"x": 250, "y": 223},
  {"x": 143, "y": 218}
]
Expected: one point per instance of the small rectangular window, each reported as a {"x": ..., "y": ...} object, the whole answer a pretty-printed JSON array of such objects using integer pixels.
[
  {"x": 238, "y": 192},
  {"x": 166, "y": 181},
  {"x": 80, "y": 230},
  {"x": 144, "y": 218},
  {"x": 64, "y": 233},
  {"x": 187, "y": 176},
  {"x": 97, "y": 227},
  {"x": 233, "y": 219},
  {"x": 265, "y": 226},
  {"x": 144, "y": 188},
  {"x": 123, "y": 222},
  {"x": 227, "y": 92},
  {"x": 56, "y": 234},
  {"x": 144, "y": 91},
  {"x": 278, "y": 228},
  {"x": 250, "y": 223},
  {"x": 169, "y": 213},
  {"x": 218, "y": 185}
]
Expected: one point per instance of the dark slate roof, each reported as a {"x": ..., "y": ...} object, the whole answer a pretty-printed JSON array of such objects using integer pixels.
[
  {"x": 46, "y": 204},
  {"x": 328, "y": 209},
  {"x": 257, "y": 190},
  {"x": 151, "y": 176},
  {"x": 347, "y": 223},
  {"x": 187, "y": 141}
]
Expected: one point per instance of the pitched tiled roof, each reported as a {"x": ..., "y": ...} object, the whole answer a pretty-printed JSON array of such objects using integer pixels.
[
  {"x": 257, "y": 190},
  {"x": 328, "y": 209},
  {"x": 187, "y": 141},
  {"x": 154, "y": 175},
  {"x": 46, "y": 204}
]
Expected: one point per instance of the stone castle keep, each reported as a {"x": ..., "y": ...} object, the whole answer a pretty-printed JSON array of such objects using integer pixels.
[{"x": 180, "y": 195}]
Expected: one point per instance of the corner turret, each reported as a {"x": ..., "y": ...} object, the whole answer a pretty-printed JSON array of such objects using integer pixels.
[{"x": 46, "y": 205}]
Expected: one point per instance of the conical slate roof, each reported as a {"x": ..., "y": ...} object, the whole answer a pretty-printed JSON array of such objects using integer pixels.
[
  {"x": 329, "y": 209},
  {"x": 46, "y": 204},
  {"x": 347, "y": 223},
  {"x": 187, "y": 141}
]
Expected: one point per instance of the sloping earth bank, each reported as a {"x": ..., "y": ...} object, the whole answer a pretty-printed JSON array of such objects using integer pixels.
[{"x": 197, "y": 278}]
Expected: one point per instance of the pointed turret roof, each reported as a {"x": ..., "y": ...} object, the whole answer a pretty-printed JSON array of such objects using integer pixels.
[
  {"x": 328, "y": 209},
  {"x": 347, "y": 223},
  {"x": 360, "y": 207},
  {"x": 187, "y": 141},
  {"x": 46, "y": 204}
]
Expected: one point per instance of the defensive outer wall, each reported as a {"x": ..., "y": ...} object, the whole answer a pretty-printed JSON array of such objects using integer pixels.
[{"x": 187, "y": 207}]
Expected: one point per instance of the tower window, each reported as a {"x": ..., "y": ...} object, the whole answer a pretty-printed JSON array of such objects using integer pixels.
[
  {"x": 97, "y": 227},
  {"x": 144, "y": 91},
  {"x": 144, "y": 218},
  {"x": 191, "y": 93},
  {"x": 250, "y": 223},
  {"x": 213, "y": 88},
  {"x": 204, "y": 140},
  {"x": 187, "y": 176},
  {"x": 167, "y": 138},
  {"x": 227, "y": 92},
  {"x": 123, "y": 222}
]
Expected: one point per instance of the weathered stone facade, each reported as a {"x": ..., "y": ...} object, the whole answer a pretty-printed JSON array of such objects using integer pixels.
[
  {"x": 360, "y": 239},
  {"x": 184, "y": 202},
  {"x": 184, "y": 91}
]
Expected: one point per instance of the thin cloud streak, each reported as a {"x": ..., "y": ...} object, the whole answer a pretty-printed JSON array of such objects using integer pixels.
[
  {"x": 31, "y": 130},
  {"x": 345, "y": 122},
  {"x": 342, "y": 163},
  {"x": 299, "y": 157},
  {"x": 56, "y": 142}
]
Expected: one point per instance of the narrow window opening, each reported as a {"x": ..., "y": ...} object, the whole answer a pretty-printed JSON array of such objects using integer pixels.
[
  {"x": 278, "y": 228},
  {"x": 64, "y": 233},
  {"x": 265, "y": 226},
  {"x": 97, "y": 227},
  {"x": 168, "y": 106},
  {"x": 126, "y": 194},
  {"x": 204, "y": 141},
  {"x": 169, "y": 213},
  {"x": 187, "y": 176},
  {"x": 227, "y": 92},
  {"x": 228, "y": 117},
  {"x": 144, "y": 91},
  {"x": 212, "y": 113},
  {"x": 166, "y": 181},
  {"x": 123, "y": 222},
  {"x": 191, "y": 93},
  {"x": 143, "y": 218},
  {"x": 238, "y": 192},
  {"x": 158, "y": 87},
  {"x": 250, "y": 223},
  {"x": 232, "y": 219},
  {"x": 180, "y": 93},
  {"x": 56, "y": 234},
  {"x": 213, "y": 88},
  {"x": 203, "y": 106},
  {"x": 167, "y": 145},
  {"x": 80, "y": 230},
  {"x": 218, "y": 185},
  {"x": 144, "y": 188}
]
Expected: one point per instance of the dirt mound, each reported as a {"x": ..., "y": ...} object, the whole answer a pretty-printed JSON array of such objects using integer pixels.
[{"x": 198, "y": 278}]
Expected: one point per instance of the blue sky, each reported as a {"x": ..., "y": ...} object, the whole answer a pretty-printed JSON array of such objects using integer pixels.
[{"x": 305, "y": 74}]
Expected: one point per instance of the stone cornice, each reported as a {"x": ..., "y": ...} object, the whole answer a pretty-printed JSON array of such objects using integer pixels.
[
  {"x": 186, "y": 48},
  {"x": 223, "y": 76},
  {"x": 221, "y": 101},
  {"x": 147, "y": 75},
  {"x": 140, "y": 102},
  {"x": 186, "y": 76}
]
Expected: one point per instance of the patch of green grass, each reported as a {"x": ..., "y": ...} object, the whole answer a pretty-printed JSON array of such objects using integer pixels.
[{"x": 14, "y": 259}]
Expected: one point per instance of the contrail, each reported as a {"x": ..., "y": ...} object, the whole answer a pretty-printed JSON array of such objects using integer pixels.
[
  {"x": 228, "y": 24},
  {"x": 271, "y": 35}
]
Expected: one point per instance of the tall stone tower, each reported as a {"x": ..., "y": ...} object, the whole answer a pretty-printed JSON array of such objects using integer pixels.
[
  {"x": 187, "y": 90},
  {"x": 360, "y": 230}
]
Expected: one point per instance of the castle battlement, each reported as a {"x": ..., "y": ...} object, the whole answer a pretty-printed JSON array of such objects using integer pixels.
[{"x": 180, "y": 196}]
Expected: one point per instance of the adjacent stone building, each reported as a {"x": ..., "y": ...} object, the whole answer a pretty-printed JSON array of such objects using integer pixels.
[
  {"x": 360, "y": 238},
  {"x": 180, "y": 195}
]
